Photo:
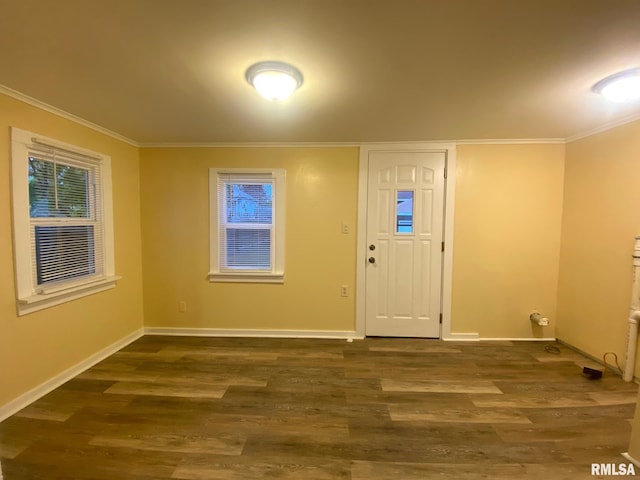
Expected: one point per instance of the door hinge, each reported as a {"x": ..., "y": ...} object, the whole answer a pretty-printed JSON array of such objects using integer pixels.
[
  {"x": 445, "y": 172},
  {"x": 440, "y": 319},
  {"x": 442, "y": 247}
]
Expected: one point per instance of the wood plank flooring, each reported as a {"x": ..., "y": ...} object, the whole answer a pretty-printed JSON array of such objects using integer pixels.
[{"x": 377, "y": 409}]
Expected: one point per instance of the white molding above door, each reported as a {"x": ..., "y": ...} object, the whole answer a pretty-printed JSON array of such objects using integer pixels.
[{"x": 447, "y": 267}]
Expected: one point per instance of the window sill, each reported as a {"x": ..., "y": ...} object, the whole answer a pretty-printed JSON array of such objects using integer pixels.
[
  {"x": 215, "y": 277},
  {"x": 40, "y": 301}
]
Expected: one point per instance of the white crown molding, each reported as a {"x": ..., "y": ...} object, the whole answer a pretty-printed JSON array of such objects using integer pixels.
[
  {"x": 9, "y": 92},
  {"x": 421, "y": 143},
  {"x": 470, "y": 141},
  {"x": 508, "y": 141},
  {"x": 251, "y": 145},
  {"x": 39, "y": 391},
  {"x": 604, "y": 127}
]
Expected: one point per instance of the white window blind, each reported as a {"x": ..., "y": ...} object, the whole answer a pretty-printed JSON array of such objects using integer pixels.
[
  {"x": 246, "y": 233},
  {"x": 247, "y": 225}
]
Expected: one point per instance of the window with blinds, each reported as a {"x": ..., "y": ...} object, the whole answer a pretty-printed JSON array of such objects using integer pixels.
[
  {"x": 65, "y": 209},
  {"x": 63, "y": 225},
  {"x": 247, "y": 225}
]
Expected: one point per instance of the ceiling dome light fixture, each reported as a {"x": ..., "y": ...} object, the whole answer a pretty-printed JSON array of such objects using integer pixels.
[
  {"x": 274, "y": 80},
  {"x": 620, "y": 87}
]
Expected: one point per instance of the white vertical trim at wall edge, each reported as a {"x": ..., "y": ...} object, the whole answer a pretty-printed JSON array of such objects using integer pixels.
[
  {"x": 447, "y": 238},
  {"x": 361, "y": 240},
  {"x": 39, "y": 391},
  {"x": 228, "y": 332}
]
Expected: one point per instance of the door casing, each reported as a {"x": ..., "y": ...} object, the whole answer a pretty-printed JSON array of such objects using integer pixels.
[{"x": 449, "y": 199}]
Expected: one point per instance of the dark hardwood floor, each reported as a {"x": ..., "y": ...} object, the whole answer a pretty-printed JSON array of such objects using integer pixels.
[{"x": 377, "y": 409}]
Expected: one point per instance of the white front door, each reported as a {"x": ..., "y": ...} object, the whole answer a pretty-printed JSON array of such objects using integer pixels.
[{"x": 405, "y": 208}]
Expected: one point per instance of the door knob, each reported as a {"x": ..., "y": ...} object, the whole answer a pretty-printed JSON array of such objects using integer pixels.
[
  {"x": 372, "y": 247},
  {"x": 372, "y": 260}
]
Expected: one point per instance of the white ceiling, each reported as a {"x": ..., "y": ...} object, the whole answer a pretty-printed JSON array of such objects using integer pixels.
[{"x": 172, "y": 71}]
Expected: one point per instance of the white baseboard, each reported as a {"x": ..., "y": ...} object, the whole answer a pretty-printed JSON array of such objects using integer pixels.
[
  {"x": 631, "y": 459},
  {"x": 474, "y": 337},
  {"x": 518, "y": 339},
  {"x": 34, "y": 394},
  {"x": 461, "y": 337},
  {"x": 595, "y": 359},
  {"x": 224, "y": 332}
]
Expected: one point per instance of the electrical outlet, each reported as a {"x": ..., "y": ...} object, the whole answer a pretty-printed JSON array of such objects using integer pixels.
[
  {"x": 344, "y": 291},
  {"x": 182, "y": 306},
  {"x": 345, "y": 227}
]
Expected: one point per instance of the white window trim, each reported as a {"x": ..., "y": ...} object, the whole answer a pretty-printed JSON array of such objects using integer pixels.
[
  {"x": 30, "y": 298},
  {"x": 277, "y": 274}
]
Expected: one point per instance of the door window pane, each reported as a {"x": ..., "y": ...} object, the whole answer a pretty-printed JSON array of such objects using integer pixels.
[{"x": 404, "y": 211}]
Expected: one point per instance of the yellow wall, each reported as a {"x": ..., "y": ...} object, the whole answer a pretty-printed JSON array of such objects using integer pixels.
[
  {"x": 321, "y": 194},
  {"x": 40, "y": 345},
  {"x": 508, "y": 211},
  {"x": 601, "y": 218},
  {"x": 512, "y": 204}
]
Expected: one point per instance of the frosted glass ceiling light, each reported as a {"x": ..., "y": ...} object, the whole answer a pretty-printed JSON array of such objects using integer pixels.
[
  {"x": 620, "y": 87},
  {"x": 274, "y": 80}
]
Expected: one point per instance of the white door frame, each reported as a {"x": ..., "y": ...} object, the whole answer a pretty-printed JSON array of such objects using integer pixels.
[{"x": 449, "y": 208}]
